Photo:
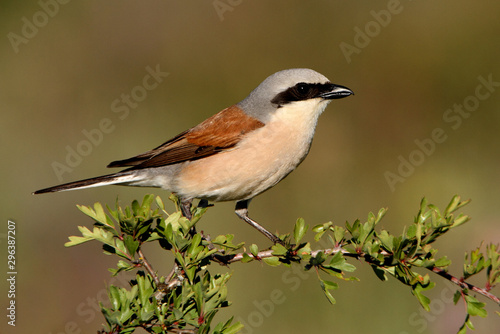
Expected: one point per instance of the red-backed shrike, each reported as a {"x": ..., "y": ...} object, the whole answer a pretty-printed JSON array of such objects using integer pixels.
[{"x": 237, "y": 153}]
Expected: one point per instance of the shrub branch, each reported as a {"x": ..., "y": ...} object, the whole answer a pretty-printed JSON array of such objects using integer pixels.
[{"x": 187, "y": 299}]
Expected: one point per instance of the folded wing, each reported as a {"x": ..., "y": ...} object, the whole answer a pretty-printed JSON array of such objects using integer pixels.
[{"x": 216, "y": 134}]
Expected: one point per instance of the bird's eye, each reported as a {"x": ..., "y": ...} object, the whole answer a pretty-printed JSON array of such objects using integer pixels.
[
  {"x": 299, "y": 92},
  {"x": 302, "y": 89}
]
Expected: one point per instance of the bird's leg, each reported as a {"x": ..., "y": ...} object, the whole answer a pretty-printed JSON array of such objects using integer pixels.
[
  {"x": 185, "y": 205},
  {"x": 203, "y": 203},
  {"x": 241, "y": 211},
  {"x": 186, "y": 212}
]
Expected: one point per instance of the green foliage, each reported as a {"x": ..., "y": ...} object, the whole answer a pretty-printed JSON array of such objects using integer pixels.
[{"x": 189, "y": 297}]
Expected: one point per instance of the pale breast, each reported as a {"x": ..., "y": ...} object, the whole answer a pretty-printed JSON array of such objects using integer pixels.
[{"x": 259, "y": 161}]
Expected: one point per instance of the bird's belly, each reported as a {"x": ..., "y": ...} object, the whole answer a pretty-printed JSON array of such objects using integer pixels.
[{"x": 256, "y": 164}]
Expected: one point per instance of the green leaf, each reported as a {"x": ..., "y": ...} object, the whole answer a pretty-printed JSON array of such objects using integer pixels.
[
  {"x": 320, "y": 230},
  {"x": 304, "y": 251},
  {"x": 122, "y": 266},
  {"x": 455, "y": 204},
  {"x": 421, "y": 217},
  {"x": 338, "y": 262},
  {"x": 120, "y": 249},
  {"x": 326, "y": 286},
  {"x": 246, "y": 258},
  {"x": 114, "y": 297},
  {"x": 147, "y": 201},
  {"x": 74, "y": 240},
  {"x": 338, "y": 234},
  {"x": 322, "y": 227},
  {"x": 299, "y": 230},
  {"x": 160, "y": 204},
  {"x": 318, "y": 259},
  {"x": 86, "y": 210},
  {"x": 379, "y": 272},
  {"x": 442, "y": 262},
  {"x": 461, "y": 219},
  {"x": 272, "y": 261},
  {"x": 193, "y": 248},
  {"x": 381, "y": 213},
  {"x": 467, "y": 323},
  {"x": 100, "y": 215},
  {"x": 475, "y": 307},
  {"x": 463, "y": 329},
  {"x": 131, "y": 244},
  {"x": 135, "y": 207},
  {"x": 228, "y": 328},
  {"x": 387, "y": 240},
  {"x": 411, "y": 232},
  {"x": 279, "y": 249},
  {"x": 417, "y": 292},
  {"x": 456, "y": 297},
  {"x": 233, "y": 329},
  {"x": 254, "y": 250},
  {"x": 452, "y": 206}
]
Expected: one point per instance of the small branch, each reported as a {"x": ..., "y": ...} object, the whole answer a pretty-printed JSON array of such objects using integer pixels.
[
  {"x": 174, "y": 278},
  {"x": 172, "y": 272},
  {"x": 182, "y": 331},
  {"x": 239, "y": 256},
  {"x": 148, "y": 267},
  {"x": 329, "y": 251},
  {"x": 464, "y": 285},
  {"x": 269, "y": 253}
]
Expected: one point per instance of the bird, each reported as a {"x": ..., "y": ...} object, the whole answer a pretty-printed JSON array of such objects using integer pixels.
[{"x": 236, "y": 154}]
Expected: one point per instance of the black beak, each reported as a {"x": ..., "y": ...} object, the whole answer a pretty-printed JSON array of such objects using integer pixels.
[{"x": 336, "y": 92}]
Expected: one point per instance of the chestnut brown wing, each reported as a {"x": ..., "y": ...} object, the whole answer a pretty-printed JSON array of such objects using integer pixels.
[{"x": 220, "y": 132}]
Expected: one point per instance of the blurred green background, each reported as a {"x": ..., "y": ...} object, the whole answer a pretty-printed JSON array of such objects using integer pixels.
[{"x": 64, "y": 65}]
